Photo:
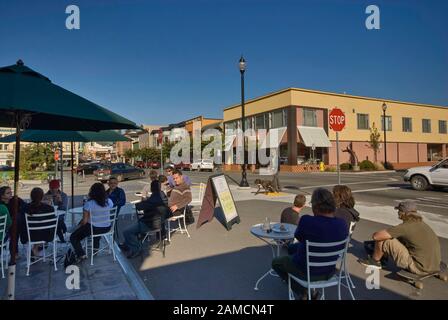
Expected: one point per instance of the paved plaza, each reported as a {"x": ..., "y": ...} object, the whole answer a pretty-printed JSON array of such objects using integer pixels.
[{"x": 218, "y": 264}]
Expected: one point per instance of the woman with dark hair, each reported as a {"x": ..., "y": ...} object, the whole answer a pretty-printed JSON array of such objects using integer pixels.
[
  {"x": 155, "y": 211},
  {"x": 345, "y": 204},
  {"x": 38, "y": 207},
  {"x": 4, "y": 212},
  {"x": 6, "y": 199},
  {"x": 98, "y": 200}
]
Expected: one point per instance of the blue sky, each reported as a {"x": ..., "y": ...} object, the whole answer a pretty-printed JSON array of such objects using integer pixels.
[{"x": 159, "y": 62}]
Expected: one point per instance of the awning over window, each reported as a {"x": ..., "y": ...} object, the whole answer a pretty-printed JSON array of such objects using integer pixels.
[
  {"x": 273, "y": 138},
  {"x": 314, "y": 135}
]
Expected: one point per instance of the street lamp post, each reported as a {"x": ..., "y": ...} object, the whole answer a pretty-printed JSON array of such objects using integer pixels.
[
  {"x": 242, "y": 66},
  {"x": 384, "y": 129}
]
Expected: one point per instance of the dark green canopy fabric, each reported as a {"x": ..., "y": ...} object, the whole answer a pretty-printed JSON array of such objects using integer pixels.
[
  {"x": 66, "y": 136},
  {"x": 50, "y": 106}
]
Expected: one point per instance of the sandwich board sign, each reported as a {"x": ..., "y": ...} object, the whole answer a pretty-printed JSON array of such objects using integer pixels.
[{"x": 218, "y": 189}]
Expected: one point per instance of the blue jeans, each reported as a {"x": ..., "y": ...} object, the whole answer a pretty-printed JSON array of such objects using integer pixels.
[{"x": 131, "y": 236}]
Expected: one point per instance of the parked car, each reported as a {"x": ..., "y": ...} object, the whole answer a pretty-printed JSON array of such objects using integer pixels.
[
  {"x": 423, "y": 177},
  {"x": 204, "y": 164},
  {"x": 283, "y": 160},
  {"x": 182, "y": 166},
  {"x": 148, "y": 164},
  {"x": 6, "y": 168},
  {"x": 88, "y": 168},
  {"x": 121, "y": 171}
]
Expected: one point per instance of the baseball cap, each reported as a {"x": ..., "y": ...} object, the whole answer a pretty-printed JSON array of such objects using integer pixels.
[
  {"x": 54, "y": 184},
  {"x": 407, "y": 206}
]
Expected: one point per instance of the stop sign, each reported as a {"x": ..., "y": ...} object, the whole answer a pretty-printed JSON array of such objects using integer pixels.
[{"x": 336, "y": 119}]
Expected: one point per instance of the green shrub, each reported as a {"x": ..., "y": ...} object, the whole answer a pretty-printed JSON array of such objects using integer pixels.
[
  {"x": 330, "y": 169},
  {"x": 346, "y": 166},
  {"x": 367, "y": 165}
]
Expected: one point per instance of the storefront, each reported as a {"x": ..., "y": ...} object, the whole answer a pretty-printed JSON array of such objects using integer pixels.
[{"x": 416, "y": 133}]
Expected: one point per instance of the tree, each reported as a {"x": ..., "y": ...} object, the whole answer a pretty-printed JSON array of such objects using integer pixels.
[
  {"x": 375, "y": 140},
  {"x": 40, "y": 155}
]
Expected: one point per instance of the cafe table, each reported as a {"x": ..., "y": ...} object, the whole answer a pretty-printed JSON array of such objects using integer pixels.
[{"x": 275, "y": 238}]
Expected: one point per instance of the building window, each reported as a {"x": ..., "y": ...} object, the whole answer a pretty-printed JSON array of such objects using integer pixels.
[
  {"x": 249, "y": 123},
  {"x": 278, "y": 119},
  {"x": 426, "y": 125},
  {"x": 363, "y": 121},
  {"x": 388, "y": 123},
  {"x": 309, "y": 117},
  {"x": 407, "y": 124},
  {"x": 442, "y": 126},
  {"x": 262, "y": 121}
]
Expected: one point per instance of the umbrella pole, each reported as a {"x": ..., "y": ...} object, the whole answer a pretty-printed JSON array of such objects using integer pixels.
[
  {"x": 73, "y": 184},
  {"x": 15, "y": 209},
  {"x": 62, "y": 167}
]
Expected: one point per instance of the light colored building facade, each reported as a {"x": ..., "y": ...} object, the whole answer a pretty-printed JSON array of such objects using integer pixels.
[
  {"x": 6, "y": 149},
  {"x": 416, "y": 133},
  {"x": 146, "y": 139}
]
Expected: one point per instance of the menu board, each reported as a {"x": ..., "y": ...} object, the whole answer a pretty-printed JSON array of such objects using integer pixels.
[
  {"x": 225, "y": 197},
  {"x": 218, "y": 189}
]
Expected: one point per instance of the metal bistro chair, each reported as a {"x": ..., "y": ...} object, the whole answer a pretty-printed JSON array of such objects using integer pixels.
[
  {"x": 157, "y": 232},
  {"x": 346, "y": 274},
  {"x": 334, "y": 257},
  {"x": 41, "y": 221},
  {"x": 3, "y": 243},
  {"x": 177, "y": 219},
  {"x": 107, "y": 215}
]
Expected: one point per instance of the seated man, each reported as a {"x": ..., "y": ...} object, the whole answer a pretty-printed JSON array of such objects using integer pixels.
[
  {"x": 171, "y": 183},
  {"x": 155, "y": 212},
  {"x": 147, "y": 188},
  {"x": 59, "y": 199},
  {"x": 291, "y": 214},
  {"x": 180, "y": 195},
  {"x": 412, "y": 245},
  {"x": 322, "y": 227}
]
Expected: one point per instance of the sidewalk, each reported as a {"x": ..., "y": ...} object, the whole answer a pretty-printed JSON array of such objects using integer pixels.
[{"x": 105, "y": 280}]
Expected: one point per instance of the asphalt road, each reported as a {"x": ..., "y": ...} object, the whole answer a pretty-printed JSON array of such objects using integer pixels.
[{"x": 377, "y": 188}]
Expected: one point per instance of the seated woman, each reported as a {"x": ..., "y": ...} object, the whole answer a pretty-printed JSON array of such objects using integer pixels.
[
  {"x": 6, "y": 199},
  {"x": 155, "y": 212},
  {"x": 37, "y": 206},
  {"x": 345, "y": 204},
  {"x": 4, "y": 212},
  {"x": 98, "y": 200}
]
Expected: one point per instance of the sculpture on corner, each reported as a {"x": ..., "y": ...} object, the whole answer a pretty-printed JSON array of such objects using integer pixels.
[{"x": 353, "y": 156}]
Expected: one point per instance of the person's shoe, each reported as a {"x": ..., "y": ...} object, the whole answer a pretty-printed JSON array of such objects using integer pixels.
[
  {"x": 123, "y": 246},
  {"x": 370, "y": 262},
  {"x": 133, "y": 255},
  {"x": 80, "y": 259}
]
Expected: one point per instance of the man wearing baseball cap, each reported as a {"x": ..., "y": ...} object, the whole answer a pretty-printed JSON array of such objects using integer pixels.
[
  {"x": 412, "y": 245},
  {"x": 59, "y": 199}
]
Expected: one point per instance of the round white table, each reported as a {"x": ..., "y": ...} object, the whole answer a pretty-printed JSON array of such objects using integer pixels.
[
  {"x": 73, "y": 212},
  {"x": 275, "y": 240}
]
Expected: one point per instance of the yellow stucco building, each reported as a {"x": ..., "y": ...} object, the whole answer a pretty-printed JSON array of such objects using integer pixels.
[{"x": 415, "y": 133}]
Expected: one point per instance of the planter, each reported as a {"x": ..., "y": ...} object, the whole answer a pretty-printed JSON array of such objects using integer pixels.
[{"x": 356, "y": 168}]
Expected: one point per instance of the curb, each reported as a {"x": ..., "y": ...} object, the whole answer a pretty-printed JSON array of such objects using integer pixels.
[{"x": 133, "y": 278}]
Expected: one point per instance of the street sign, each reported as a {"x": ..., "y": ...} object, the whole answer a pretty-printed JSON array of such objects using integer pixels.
[{"x": 336, "y": 119}]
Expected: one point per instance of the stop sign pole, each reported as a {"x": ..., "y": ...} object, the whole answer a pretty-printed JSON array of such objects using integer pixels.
[{"x": 337, "y": 123}]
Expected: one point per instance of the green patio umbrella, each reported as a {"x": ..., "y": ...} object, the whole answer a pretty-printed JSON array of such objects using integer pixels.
[
  {"x": 67, "y": 136},
  {"x": 30, "y": 100}
]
